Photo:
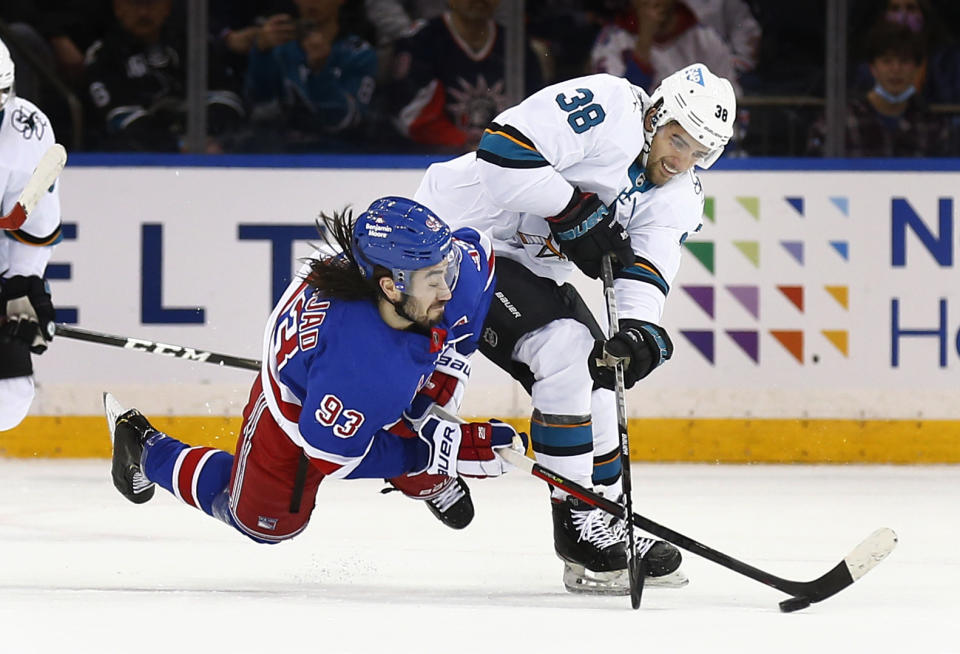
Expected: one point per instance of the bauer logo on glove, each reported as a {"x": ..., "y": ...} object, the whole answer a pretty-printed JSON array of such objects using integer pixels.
[
  {"x": 472, "y": 445},
  {"x": 587, "y": 231}
]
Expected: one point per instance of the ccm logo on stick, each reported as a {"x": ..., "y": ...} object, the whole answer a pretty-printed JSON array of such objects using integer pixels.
[{"x": 167, "y": 350}]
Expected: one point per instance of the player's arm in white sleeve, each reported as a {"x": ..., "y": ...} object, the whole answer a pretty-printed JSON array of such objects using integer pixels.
[
  {"x": 523, "y": 153},
  {"x": 641, "y": 289},
  {"x": 31, "y": 246},
  {"x": 26, "y": 308},
  {"x": 657, "y": 233}
]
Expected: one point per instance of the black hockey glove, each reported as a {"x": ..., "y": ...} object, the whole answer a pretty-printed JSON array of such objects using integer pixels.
[
  {"x": 641, "y": 345},
  {"x": 586, "y": 231},
  {"x": 27, "y": 312}
]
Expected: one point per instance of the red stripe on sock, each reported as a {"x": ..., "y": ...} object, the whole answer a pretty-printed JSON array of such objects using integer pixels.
[{"x": 187, "y": 471}]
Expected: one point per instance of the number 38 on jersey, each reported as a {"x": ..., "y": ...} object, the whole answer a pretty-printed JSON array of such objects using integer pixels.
[{"x": 583, "y": 112}]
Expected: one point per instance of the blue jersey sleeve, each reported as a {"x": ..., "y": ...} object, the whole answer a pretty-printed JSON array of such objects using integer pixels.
[
  {"x": 475, "y": 287},
  {"x": 391, "y": 455}
]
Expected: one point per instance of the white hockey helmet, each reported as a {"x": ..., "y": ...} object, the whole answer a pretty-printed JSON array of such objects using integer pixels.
[
  {"x": 702, "y": 103},
  {"x": 6, "y": 76}
]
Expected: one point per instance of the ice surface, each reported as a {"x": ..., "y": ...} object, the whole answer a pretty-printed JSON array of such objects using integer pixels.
[{"x": 83, "y": 570}]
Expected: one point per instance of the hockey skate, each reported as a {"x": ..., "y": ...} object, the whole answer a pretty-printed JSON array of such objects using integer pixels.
[
  {"x": 128, "y": 431},
  {"x": 594, "y": 559},
  {"x": 448, "y": 499},
  {"x": 453, "y": 506},
  {"x": 663, "y": 559}
]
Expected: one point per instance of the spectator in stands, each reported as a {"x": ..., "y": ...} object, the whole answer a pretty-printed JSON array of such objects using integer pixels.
[
  {"x": 890, "y": 120},
  {"x": 448, "y": 77},
  {"x": 657, "y": 38},
  {"x": 735, "y": 23},
  {"x": 390, "y": 18},
  {"x": 235, "y": 24},
  {"x": 938, "y": 77},
  {"x": 136, "y": 76},
  {"x": 313, "y": 91}
]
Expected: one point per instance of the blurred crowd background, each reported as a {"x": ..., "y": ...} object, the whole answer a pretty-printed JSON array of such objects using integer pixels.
[{"x": 426, "y": 76}]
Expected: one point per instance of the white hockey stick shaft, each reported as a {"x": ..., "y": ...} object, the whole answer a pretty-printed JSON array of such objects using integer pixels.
[{"x": 44, "y": 175}]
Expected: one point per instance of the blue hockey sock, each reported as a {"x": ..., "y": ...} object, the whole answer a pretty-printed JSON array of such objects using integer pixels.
[{"x": 193, "y": 474}]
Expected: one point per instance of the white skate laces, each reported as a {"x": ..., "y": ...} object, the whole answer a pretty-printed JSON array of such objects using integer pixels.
[
  {"x": 139, "y": 482},
  {"x": 449, "y": 496},
  {"x": 618, "y": 528},
  {"x": 593, "y": 529}
]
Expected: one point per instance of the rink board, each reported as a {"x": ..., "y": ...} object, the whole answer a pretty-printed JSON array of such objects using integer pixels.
[
  {"x": 652, "y": 440},
  {"x": 816, "y": 316}
]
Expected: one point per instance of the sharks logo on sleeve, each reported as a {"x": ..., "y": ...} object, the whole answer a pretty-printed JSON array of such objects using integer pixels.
[{"x": 29, "y": 124}]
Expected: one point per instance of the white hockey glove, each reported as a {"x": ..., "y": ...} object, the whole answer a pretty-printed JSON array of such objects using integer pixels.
[{"x": 467, "y": 448}]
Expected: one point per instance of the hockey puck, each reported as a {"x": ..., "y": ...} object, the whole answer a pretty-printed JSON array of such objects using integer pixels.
[{"x": 794, "y": 604}]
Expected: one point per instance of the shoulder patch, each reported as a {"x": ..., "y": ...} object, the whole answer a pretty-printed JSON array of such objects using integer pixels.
[{"x": 30, "y": 123}]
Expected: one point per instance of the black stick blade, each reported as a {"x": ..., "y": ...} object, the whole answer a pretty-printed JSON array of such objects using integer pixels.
[{"x": 637, "y": 569}]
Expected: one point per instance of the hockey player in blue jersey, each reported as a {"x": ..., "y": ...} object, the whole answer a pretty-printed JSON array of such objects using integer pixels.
[{"x": 358, "y": 348}]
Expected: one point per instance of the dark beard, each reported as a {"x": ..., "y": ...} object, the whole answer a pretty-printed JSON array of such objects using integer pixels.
[{"x": 418, "y": 325}]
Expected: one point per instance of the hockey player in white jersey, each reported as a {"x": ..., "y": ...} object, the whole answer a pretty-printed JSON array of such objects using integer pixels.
[
  {"x": 579, "y": 170},
  {"x": 26, "y": 310}
]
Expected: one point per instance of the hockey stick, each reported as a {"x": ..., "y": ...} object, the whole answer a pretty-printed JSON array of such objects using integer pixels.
[
  {"x": 43, "y": 177},
  {"x": 155, "y": 347},
  {"x": 635, "y": 564},
  {"x": 855, "y": 565},
  {"x": 859, "y": 562}
]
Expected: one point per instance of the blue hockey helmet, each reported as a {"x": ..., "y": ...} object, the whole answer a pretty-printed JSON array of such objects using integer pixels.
[{"x": 403, "y": 236}]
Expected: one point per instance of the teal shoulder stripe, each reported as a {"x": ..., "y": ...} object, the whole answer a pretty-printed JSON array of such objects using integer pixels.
[{"x": 506, "y": 149}]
